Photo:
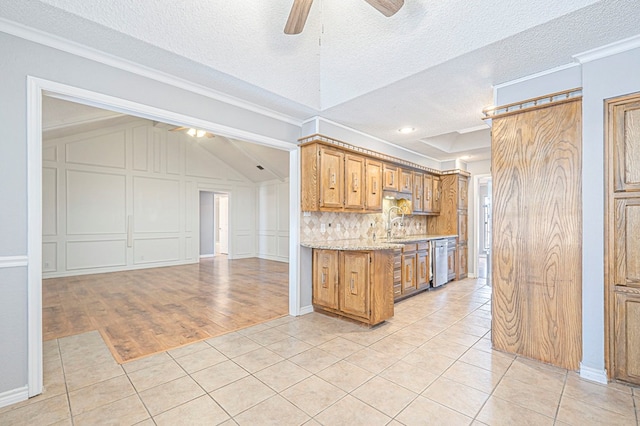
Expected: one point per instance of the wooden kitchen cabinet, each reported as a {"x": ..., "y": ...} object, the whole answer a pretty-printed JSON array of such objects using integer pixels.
[
  {"x": 390, "y": 178},
  {"x": 463, "y": 262},
  {"x": 354, "y": 271},
  {"x": 452, "y": 260},
  {"x": 409, "y": 283},
  {"x": 406, "y": 181},
  {"x": 325, "y": 278},
  {"x": 463, "y": 192},
  {"x": 437, "y": 195},
  {"x": 363, "y": 287},
  {"x": 627, "y": 334},
  {"x": 427, "y": 205},
  {"x": 418, "y": 192},
  {"x": 331, "y": 174},
  {"x": 354, "y": 192},
  {"x": 373, "y": 188},
  {"x": 422, "y": 271}
]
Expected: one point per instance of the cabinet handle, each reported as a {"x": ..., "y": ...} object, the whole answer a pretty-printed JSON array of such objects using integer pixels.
[
  {"x": 391, "y": 176},
  {"x": 354, "y": 182},
  {"x": 428, "y": 194},
  {"x": 332, "y": 178},
  {"x": 323, "y": 279},
  {"x": 374, "y": 185},
  {"x": 354, "y": 277},
  {"x": 423, "y": 270}
]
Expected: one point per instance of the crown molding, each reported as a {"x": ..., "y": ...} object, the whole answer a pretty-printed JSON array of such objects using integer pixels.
[
  {"x": 65, "y": 45},
  {"x": 608, "y": 49},
  {"x": 534, "y": 76}
]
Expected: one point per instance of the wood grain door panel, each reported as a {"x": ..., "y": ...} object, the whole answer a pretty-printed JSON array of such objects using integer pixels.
[
  {"x": 354, "y": 182},
  {"x": 331, "y": 172},
  {"x": 626, "y": 140},
  {"x": 627, "y": 362},
  {"x": 325, "y": 278},
  {"x": 373, "y": 172},
  {"x": 537, "y": 228},
  {"x": 627, "y": 242},
  {"x": 354, "y": 272}
]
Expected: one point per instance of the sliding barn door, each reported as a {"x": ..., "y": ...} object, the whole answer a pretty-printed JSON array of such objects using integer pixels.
[{"x": 537, "y": 223}]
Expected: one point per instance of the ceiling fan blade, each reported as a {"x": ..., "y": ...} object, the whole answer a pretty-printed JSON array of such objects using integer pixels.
[
  {"x": 386, "y": 7},
  {"x": 178, "y": 129},
  {"x": 297, "y": 16}
]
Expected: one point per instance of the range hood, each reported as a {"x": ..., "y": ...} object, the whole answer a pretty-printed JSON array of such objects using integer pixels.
[{"x": 394, "y": 195}]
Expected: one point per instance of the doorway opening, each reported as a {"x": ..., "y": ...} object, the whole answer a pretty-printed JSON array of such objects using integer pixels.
[
  {"x": 214, "y": 224},
  {"x": 484, "y": 229}
]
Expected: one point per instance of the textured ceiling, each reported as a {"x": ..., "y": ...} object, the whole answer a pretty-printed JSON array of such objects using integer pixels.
[{"x": 430, "y": 66}]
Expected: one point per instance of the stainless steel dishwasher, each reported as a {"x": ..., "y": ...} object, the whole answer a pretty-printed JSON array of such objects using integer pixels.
[{"x": 439, "y": 250}]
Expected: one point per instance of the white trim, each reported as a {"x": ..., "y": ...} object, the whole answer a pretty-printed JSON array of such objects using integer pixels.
[
  {"x": 594, "y": 375},
  {"x": 14, "y": 396},
  {"x": 608, "y": 49},
  {"x": 207, "y": 256},
  {"x": 294, "y": 233},
  {"x": 86, "y": 52},
  {"x": 342, "y": 126},
  {"x": 306, "y": 310},
  {"x": 34, "y": 237},
  {"x": 13, "y": 261},
  {"x": 532, "y": 77}
]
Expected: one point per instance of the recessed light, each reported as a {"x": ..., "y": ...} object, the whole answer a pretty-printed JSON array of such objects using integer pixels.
[{"x": 407, "y": 129}]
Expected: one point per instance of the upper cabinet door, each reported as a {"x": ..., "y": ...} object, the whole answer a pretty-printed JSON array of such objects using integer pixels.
[
  {"x": 331, "y": 172},
  {"x": 626, "y": 242},
  {"x": 406, "y": 181},
  {"x": 390, "y": 178},
  {"x": 437, "y": 194},
  {"x": 354, "y": 182},
  {"x": 626, "y": 145},
  {"x": 463, "y": 185},
  {"x": 418, "y": 192},
  {"x": 373, "y": 174},
  {"x": 428, "y": 194}
]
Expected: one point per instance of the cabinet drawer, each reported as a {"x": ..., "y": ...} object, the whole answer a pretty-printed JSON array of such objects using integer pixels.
[
  {"x": 397, "y": 274},
  {"x": 397, "y": 291},
  {"x": 423, "y": 245},
  {"x": 409, "y": 248}
]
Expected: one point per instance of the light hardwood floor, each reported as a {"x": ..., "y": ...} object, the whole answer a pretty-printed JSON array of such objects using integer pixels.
[{"x": 142, "y": 312}]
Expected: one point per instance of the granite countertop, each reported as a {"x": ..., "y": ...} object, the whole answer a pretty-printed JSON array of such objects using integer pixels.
[{"x": 371, "y": 244}]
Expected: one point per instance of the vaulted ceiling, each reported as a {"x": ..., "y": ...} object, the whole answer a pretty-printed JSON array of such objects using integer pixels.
[{"x": 431, "y": 66}]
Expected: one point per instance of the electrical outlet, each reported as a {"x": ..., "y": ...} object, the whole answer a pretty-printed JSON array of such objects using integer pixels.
[
  {"x": 338, "y": 227},
  {"x": 323, "y": 228}
]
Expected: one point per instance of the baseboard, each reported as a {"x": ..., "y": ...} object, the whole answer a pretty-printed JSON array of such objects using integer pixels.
[
  {"x": 205, "y": 256},
  {"x": 305, "y": 310},
  {"x": 14, "y": 396},
  {"x": 594, "y": 375}
]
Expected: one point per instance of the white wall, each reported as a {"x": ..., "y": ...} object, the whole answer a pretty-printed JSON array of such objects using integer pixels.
[
  {"x": 602, "y": 76},
  {"x": 125, "y": 197},
  {"x": 273, "y": 220}
]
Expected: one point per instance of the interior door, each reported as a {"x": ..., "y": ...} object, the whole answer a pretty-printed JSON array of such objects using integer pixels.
[{"x": 537, "y": 233}]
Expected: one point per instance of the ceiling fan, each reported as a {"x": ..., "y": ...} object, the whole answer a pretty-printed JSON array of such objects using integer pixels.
[{"x": 300, "y": 11}]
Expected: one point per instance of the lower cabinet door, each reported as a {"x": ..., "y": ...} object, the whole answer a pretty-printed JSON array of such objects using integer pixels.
[
  {"x": 627, "y": 339},
  {"x": 325, "y": 278},
  {"x": 408, "y": 273},
  {"x": 354, "y": 283},
  {"x": 422, "y": 273}
]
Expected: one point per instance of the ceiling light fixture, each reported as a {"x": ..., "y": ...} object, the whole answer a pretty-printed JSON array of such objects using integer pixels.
[
  {"x": 196, "y": 133},
  {"x": 405, "y": 130}
]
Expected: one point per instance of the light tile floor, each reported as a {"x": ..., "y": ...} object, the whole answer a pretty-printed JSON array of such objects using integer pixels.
[{"x": 431, "y": 364}]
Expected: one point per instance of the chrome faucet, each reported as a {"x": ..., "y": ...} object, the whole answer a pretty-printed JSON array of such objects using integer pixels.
[{"x": 390, "y": 222}]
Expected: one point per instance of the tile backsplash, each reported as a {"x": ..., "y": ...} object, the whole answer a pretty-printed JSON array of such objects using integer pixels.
[{"x": 331, "y": 226}]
